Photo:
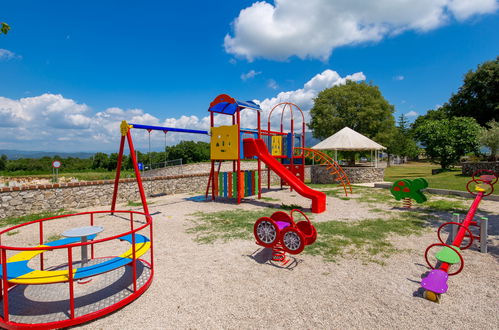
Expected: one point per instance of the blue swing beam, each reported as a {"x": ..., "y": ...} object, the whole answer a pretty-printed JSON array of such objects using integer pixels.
[{"x": 167, "y": 129}]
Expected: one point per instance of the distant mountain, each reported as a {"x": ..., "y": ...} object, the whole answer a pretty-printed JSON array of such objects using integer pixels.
[
  {"x": 310, "y": 141},
  {"x": 16, "y": 154}
]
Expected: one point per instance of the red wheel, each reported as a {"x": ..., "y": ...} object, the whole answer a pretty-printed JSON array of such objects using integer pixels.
[
  {"x": 453, "y": 249},
  {"x": 266, "y": 232},
  {"x": 312, "y": 239},
  {"x": 489, "y": 174},
  {"x": 478, "y": 181},
  {"x": 460, "y": 225},
  {"x": 292, "y": 240}
]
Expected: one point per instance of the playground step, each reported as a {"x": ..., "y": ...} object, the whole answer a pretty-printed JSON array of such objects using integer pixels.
[{"x": 446, "y": 254}]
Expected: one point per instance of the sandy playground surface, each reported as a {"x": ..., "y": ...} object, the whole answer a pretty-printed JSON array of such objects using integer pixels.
[{"x": 234, "y": 285}]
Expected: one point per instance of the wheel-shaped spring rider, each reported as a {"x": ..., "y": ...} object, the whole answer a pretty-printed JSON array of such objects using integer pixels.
[{"x": 282, "y": 234}]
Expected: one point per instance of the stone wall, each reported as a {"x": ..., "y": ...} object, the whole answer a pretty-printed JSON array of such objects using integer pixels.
[
  {"x": 26, "y": 199},
  {"x": 16, "y": 201},
  {"x": 320, "y": 174},
  {"x": 206, "y": 167},
  {"x": 468, "y": 168}
]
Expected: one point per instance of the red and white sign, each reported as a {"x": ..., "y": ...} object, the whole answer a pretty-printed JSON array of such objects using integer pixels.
[{"x": 56, "y": 164}]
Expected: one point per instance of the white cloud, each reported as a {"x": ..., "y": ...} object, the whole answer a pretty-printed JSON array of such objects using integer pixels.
[
  {"x": 52, "y": 122},
  {"x": 249, "y": 75},
  {"x": 463, "y": 9},
  {"x": 6, "y": 54},
  {"x": 313, "y": 28},
  {"x": 303, "y": 97},
  {"x": 271, "y": 83},
  {"x": 412, "y": 114},
  {"x": 398, "y": 78}
]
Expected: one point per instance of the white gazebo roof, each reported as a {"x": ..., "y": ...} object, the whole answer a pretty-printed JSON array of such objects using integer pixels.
[{"x": 348, "y": 139}]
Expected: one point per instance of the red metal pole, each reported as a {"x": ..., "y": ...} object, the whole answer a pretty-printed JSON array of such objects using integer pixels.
[
  {"x": 259, "y": 161},
  {"x": 5, "y": 287},
  {"x": 134, "y": 263},
  {"x": 270, "y": 143},
  {"x": 465, "y": 224},
  {"x": 239, "y": 183},
  {"x": 212, "y": 175},
  {"x": 137, "y": 173},
  {"x": 41, "y": 242},
  {"x": 151, "y": 240},
  {"x": 92, "y": 255},
  {"x": 467, "y": 220},
  {"x": 118, "y": 173},
  {"x": 71, "y": 284}
]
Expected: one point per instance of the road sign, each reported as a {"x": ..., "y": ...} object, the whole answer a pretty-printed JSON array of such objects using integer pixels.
[
  {"x": 141, "y": 166},
  {"x": 56, "y": 164}
]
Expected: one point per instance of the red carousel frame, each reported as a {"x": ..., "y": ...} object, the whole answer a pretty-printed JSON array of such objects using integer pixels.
[{"x": 6, "y": 286}]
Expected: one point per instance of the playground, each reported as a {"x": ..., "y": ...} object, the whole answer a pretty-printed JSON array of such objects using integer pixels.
[
  {"x": 242, "y": 252},
  {"x": 231, "y": 284}
]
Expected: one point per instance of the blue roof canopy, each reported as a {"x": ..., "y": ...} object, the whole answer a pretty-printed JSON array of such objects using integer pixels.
[{"x": 227, "y": 105}]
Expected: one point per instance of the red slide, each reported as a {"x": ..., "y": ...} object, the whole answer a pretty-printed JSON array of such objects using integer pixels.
[{"x": 257, "y": 147}]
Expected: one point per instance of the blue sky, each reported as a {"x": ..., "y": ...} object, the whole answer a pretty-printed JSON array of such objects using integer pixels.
[{"x": 71, "y": 71}]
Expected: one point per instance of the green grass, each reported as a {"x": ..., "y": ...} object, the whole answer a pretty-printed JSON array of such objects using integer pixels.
[
  {"x": 452, "y": 180},
  {"x": 443, "y": 205},
  {"x": 12, "y": 221},
  {"x": 367, "y": 240},
  {"x": 337, "y": 193},
  {"x": 269, "y": 199},
  {"x": 132, "y": 203},
  {"x": 376, "y": 196},
  {"x": 290, "y": 206},
  {"x": 226, "y": 225}
]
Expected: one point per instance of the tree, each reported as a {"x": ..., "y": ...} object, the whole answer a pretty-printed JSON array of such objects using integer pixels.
[
  {"x": 478, "y": 97},
  {"x": 3, "y": 162},
  {"x": 101, "y": 160},
  {"x": 189, "y": 151},
  {"x": 446, "y": 140},
  {"x": 490, "y": 138},
  {"x": 359, "y": 106},
  {"x": 4, "y": 28},
  {"x": 403, "y": 143},
  {"x": 437, "y": 114}
]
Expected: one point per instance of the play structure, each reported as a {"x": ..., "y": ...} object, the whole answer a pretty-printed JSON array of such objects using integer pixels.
[
  {"x": 435, "y": 283},
  {"x": 112, "y": 280},
  {"x": 283, "y": 235},
  {"x": 407, "y": 190},
  {"x": 282, "y": 151}
]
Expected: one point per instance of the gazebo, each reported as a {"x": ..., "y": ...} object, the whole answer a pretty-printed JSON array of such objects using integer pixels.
[{"x": 349, "y": 140}]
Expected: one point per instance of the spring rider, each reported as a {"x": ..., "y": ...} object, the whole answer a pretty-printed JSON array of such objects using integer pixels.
[
  {"x": 283, "y": 235},
  {"x": 407, "y": 190}
]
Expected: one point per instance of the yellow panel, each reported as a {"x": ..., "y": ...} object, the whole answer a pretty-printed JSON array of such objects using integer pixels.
[
  {"x": 43, "y": 277},
  {"x": 140, "y": 249},
  {"x": 26, "y": 255},
  {"x": 224, "y": 142},
  {"x": 276, "y": 145}
]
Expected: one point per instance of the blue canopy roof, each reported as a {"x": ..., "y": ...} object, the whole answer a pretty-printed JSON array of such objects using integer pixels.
[{"x": 227, "y": 105}]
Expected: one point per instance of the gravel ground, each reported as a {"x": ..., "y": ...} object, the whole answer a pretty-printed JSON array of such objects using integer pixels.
[{"x": 231, "y": 285}]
